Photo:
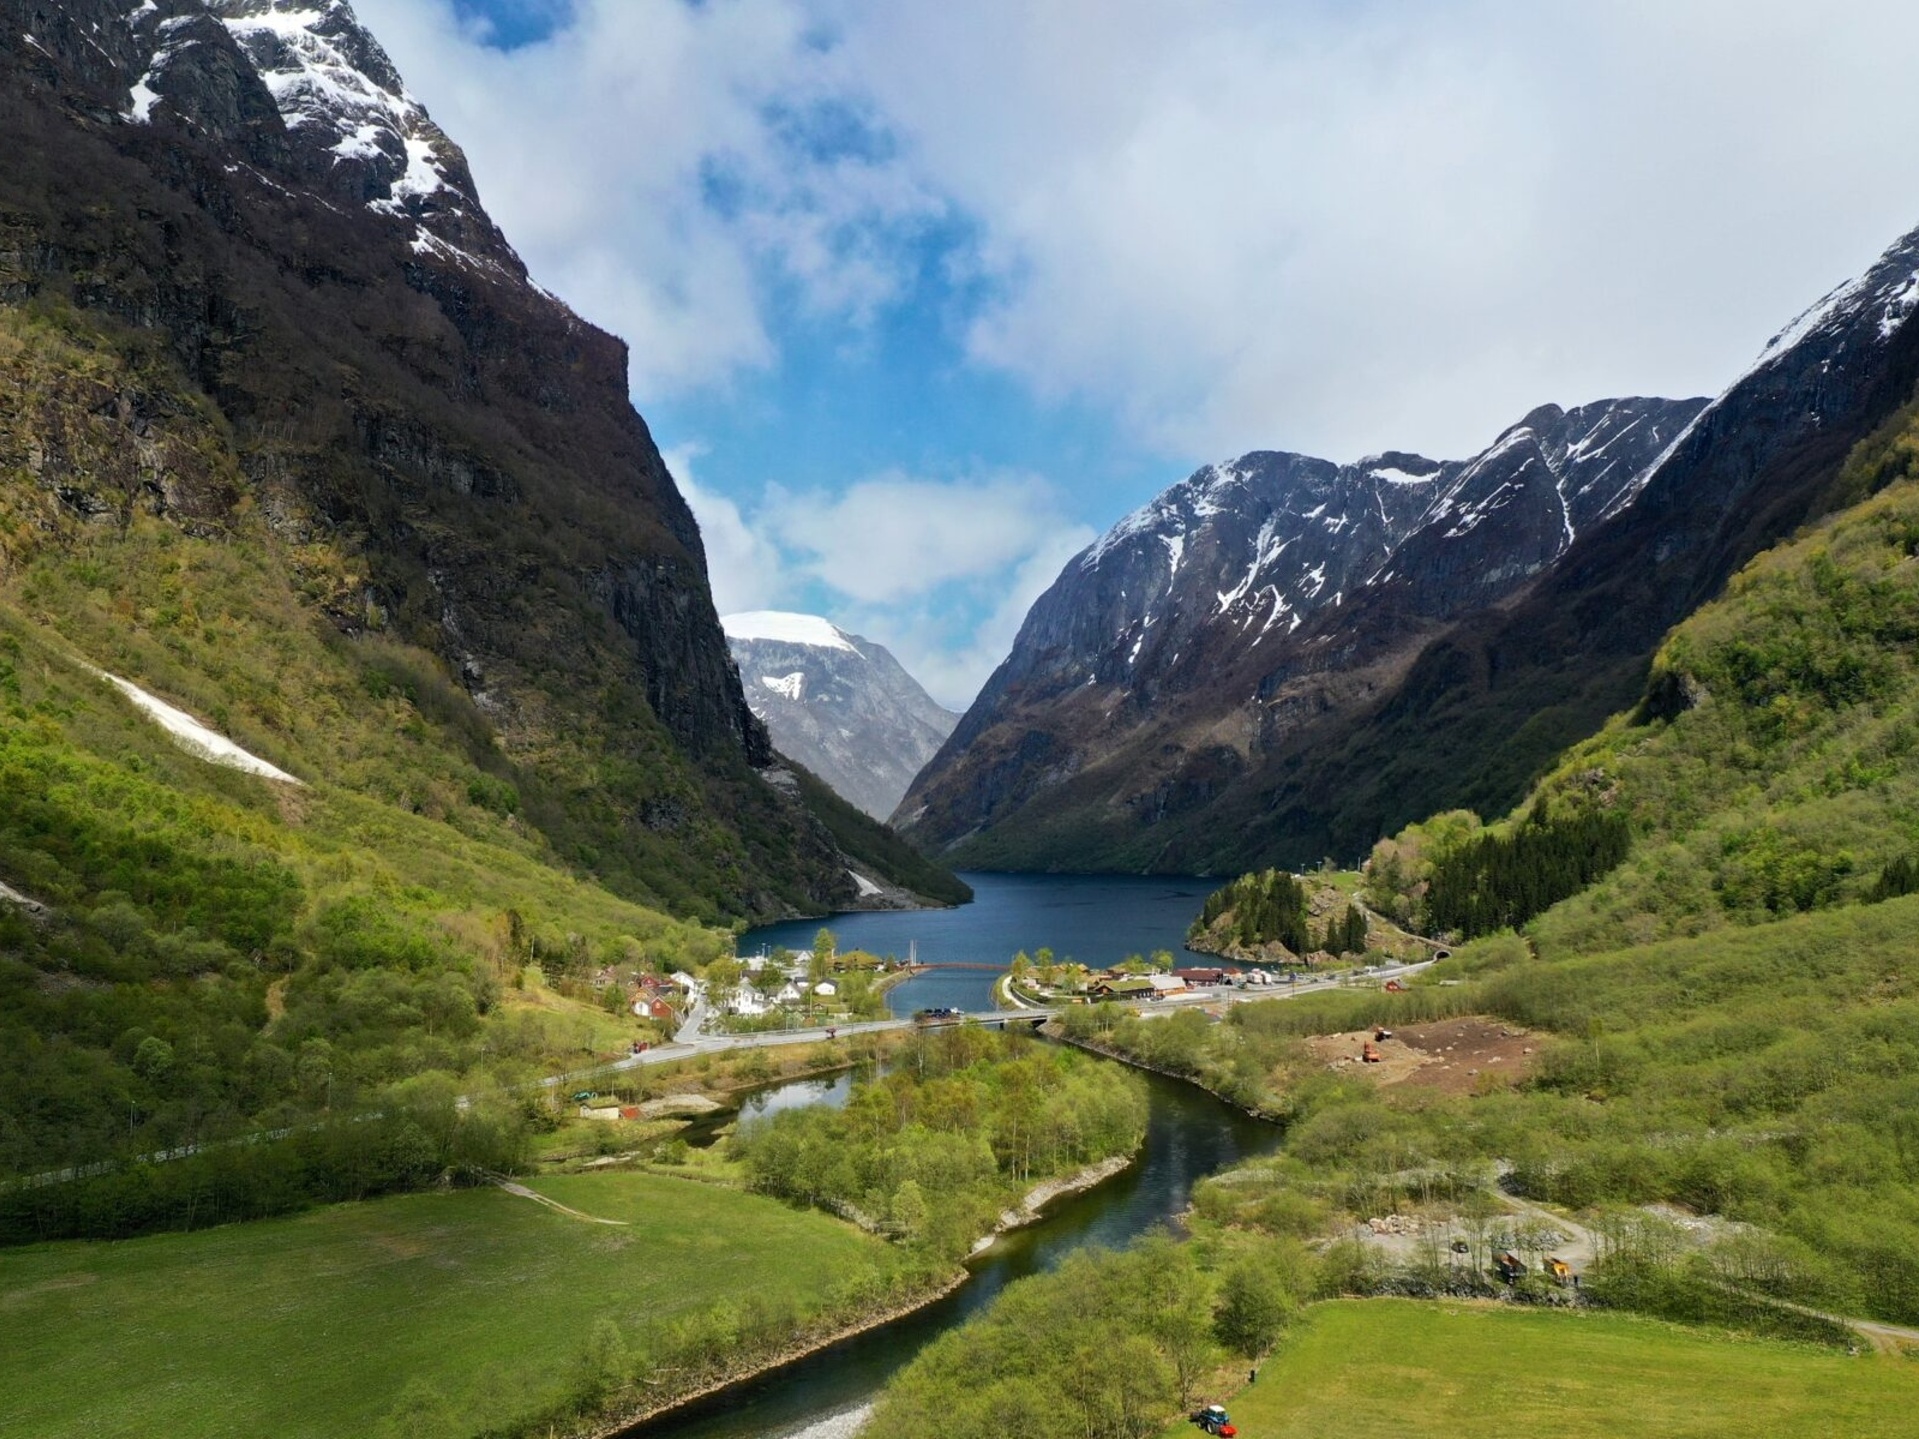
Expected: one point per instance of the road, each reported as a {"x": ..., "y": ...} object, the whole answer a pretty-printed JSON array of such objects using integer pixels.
[{"x": 692, "y": 1040}]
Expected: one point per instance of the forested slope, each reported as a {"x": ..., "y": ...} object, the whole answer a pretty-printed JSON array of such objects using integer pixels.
[
  {"x": 221, "y": 952},
  {"x": 1771, "y": 766}
]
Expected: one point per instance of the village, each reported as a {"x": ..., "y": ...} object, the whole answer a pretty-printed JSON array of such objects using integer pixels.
[
  {"x": 783, "y": 989},
  {"x": 774, "y": 990},
  {"x": 1040, "y": 979}
]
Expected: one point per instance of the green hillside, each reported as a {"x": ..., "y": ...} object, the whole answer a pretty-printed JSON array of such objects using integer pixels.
[
  {"x": 1697, "y": 1059},
  {"x": 223, "y": 952},
  {"x": 1771, "y": 767}
]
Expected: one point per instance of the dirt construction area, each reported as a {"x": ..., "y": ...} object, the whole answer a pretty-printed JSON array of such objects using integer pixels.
[{"x": 1454, "y": 1056}]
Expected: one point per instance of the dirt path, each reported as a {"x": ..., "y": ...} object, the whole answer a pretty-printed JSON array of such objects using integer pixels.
[
  {"x": 1581, "y": 1246},
  {"x": 10, "y": 895},
  {"x": 571, "y": 1213}
]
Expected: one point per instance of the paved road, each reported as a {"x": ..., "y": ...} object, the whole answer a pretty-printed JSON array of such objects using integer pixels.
[{"x": 692, "y": 1039}]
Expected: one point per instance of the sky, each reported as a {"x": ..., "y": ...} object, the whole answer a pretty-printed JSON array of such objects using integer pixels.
[{"x": 922, "y": 297}]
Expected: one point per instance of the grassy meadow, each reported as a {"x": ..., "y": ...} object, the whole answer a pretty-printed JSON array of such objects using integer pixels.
[
  {"x": 1397, "y": 1369},
  {"x": 476, "y": 1305}
]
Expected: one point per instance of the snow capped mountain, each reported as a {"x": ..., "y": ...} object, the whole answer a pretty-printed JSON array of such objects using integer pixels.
[
  {"x": 840, "y": 705},
  {"x": 1281, "y": 658},
  {"x": 352, "y": 130},
  {"x": 1244, "y": 552}
]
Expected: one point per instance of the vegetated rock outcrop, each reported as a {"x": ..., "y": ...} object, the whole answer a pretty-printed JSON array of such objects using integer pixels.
[
  {"x": 444, "y": 453},
  {"x": 839, "y": 704},
  {"x": 1281, "y": 659}
]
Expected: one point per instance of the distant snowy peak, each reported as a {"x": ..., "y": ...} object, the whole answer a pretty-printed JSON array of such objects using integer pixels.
[
  {"x": 838, "y": 704},
  {"x": 786, "y": 628},
  {"x": 363, "y": 137}
]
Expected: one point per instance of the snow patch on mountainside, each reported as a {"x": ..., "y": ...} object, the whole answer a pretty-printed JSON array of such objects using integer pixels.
[
  {"x": 338, "y": 93},
  {"x": 787, "y": 687},
  {"x": 786, "y": 628},
  {"x": 304, "y": 54},
  {"x": 194, "y": 737},
  {"x": 1392, "y": 475}
]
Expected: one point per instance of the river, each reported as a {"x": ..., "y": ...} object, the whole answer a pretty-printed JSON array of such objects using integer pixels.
[
  {"x": 1095, "y": 919},
  {"x": 1189, "y": 1135}
]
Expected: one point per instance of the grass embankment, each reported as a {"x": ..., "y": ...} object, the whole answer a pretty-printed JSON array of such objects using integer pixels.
[
  {"x": 1395, "y": 1369},
  {"x": 474, "y": 1307}
]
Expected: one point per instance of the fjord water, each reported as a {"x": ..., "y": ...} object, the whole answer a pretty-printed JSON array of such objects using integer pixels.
[
  {"x": 1189, "y": 1134},
  {"x": 1096, "y": 919}
]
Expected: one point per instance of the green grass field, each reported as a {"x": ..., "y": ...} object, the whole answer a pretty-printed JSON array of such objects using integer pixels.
[
  {"x": 313, "y": 1325},
  {"x": 1399, "y": 1369}
]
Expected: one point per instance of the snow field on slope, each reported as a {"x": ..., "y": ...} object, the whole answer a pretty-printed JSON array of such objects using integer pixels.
[
  {"x": 786, "y": 628},
  {"x": 194, "y": 737}
]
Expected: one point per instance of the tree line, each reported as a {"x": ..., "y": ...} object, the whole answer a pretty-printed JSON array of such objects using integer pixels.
[
  {"x": 1272, "y": 907},
  {"x": 933, "y": 1149},
  {"x": 1499, "y": 881}
]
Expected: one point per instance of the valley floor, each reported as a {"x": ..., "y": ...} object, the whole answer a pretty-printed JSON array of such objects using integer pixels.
[
  {"x": 1406, "y": 1369},
  {"x": 479, "y": 1300}
]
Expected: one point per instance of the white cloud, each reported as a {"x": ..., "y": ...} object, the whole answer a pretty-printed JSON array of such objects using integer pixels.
[
  {"x": 1335, "y": 227},
  {"x": 952, "y": 653},
  {"x": 1234, "y": 222},
  {"x": 1341, "y": 227},
  {"x": 893, "y": 536},
  {"x": 747, "y": 571},
  {"x": 645, "y": 162},
  {"x": 940, "y": 572}
]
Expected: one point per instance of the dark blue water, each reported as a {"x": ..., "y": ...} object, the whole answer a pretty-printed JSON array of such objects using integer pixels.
[{"x": 1095, "y": 919}]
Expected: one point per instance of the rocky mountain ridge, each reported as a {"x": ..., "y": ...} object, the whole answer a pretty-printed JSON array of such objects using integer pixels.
[
  {"x": 1281, "y": 659},
  {"x": 445, "y": 453},
  {"x": 840, "y": 704}
]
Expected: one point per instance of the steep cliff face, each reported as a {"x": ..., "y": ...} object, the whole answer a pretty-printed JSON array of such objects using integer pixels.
[
  {"x": 1281, "y": 659},
  {"x": 839, "y": 704},
  {"x": 444, "y": 452}
]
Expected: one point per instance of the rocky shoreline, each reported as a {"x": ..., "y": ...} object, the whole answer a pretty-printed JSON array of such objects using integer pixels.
[{"x": 1028, "y": 1210}]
